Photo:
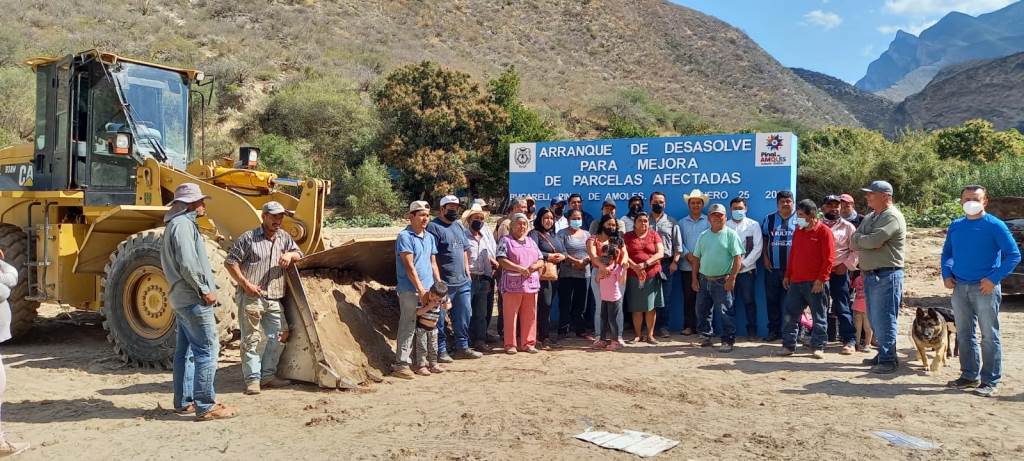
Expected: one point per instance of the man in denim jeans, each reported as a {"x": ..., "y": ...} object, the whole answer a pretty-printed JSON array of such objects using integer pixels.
[
  {"x": 979, "y": 252},
  {"x": 718, "y": 258},
  {"x": 257, "y": 262},
  {"x": 193, "y": 294},
  {"x": 880, "y": 240},
  {"x": 416, "y": 267},
  {"x": 811, "y": 256}
]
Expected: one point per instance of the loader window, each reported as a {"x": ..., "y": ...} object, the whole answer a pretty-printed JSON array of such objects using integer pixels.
[
  {"x": 43, "y": 75},
  {"x": 159, "y": 103},
  {"x": 107, "y": 170}
]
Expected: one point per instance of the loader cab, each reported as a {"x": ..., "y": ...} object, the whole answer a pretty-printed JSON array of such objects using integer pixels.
[{"x": 99, "y": 116}]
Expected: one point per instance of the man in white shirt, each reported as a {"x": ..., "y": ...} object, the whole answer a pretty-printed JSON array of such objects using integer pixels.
[{"x": 750, "y": 235}]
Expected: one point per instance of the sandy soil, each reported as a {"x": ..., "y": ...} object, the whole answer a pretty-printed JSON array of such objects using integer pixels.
[{"x": 72, "y": 399}]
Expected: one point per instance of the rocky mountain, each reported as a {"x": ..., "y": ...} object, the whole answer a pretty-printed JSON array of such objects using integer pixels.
[
  {"x": 911, "y": 62},
  {"x": 870, "y": 110},
  {"x": 570, "y": 53},
  {"x": 991, "y": 89}
]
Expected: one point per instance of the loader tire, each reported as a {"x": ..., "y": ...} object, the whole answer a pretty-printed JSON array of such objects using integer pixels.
[
  {"x": 14, "y": 243},
  {"x": 137, "y": 312}
]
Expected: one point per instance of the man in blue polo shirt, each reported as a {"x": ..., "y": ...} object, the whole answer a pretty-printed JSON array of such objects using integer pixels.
[
  {"x": 979, "y": 252},
  {"x": 778, "y": 231},
  {"x": 416, "y": 267},
  {"x": 453, "y": 262}
]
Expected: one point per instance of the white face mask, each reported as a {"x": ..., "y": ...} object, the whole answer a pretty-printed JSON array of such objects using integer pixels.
[{"x": 973, "y": 207}]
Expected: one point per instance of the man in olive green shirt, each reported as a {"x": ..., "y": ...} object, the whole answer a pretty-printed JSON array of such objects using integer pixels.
[
  {"x": 719, "y": 257},
  {"x": 880, "y": 241}
]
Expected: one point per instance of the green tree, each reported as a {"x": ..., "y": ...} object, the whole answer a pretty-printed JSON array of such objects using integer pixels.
[
  {"x": 368, "y": 190},
  {"x": 435, "y": 122},
  {"x": 489, "y": 174},
  {"x": 284, "y": 157},
  {"x": 977, "y": 141}
]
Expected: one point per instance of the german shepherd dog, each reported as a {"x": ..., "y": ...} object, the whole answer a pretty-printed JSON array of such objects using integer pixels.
[{"x": 933, "y": 329}]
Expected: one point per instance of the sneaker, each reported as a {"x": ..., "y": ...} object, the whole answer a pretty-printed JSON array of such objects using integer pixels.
[
  {"x": 435, "y": 369},
  {"x": 818, "y": 353},
  {"x": 510, "y": 350},
  {"x": 707, "y": 342},
  {"x": 599, "y": 344},
  {"x": 445, "y": 358},
  {"x": 872, "y": 361},
  {"x": 786, "y": 351},
  {"x": 403, "y": 373},
  {"x": 463, "y": 354},
  {"x": 663, "y": 333},
  {"x": 725, "y": 348},
  {"x": 961, "y": 383},
  {"x": 12, "y": 448},
  {"x": 532, "y": 350},
  {"x": 422, "y": 371},
  {"x": 614, "y": 346},
  {"x": 481, "y": 346},
  {"x": 252, "y": 388},
  {"x": 985, "y": 390},
  {"x": 884, "y": 368},
  {"x": 847, "y": 350},
  {"x": 275, "y": 382}
]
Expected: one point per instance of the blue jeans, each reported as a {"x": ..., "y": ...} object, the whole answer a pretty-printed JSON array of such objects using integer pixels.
[
  {"x": 713, "y": 297},
  {"x": 970, "y": 308},
  {"x": 775, "y": 295},
  {"x": 260, "y": 321},
  {"x": 883, "y": 291},
  {"x": 461, "y": 313},
  {"x": 839, "y": 289},
  {"x": 745, "y": 291},
  {"x": 798, "y": 296},
  {"x": 195, "y": 357}
]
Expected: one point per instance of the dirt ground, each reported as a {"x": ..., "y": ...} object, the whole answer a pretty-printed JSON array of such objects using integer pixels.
[{"x": 72, "y": 399}]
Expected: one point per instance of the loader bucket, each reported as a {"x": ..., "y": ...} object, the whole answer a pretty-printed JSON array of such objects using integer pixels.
[{"x": 336, "y": 340}]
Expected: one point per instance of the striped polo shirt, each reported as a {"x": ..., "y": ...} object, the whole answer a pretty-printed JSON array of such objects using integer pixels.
[
  {"x": 258, "y": 257},
  {"x": 780, "y": 238}
]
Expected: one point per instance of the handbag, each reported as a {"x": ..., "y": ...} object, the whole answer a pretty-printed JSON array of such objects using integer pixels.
[{"x": 550, "y": 271}]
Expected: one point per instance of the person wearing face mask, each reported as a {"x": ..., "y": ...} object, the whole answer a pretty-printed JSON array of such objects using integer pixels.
[
  {"x": 576, "y": 203},
  {"x": 573, "y": 274},
  {"x": 636, "y": 205},
  {"x": 692, "y": 225},
  {"x": 749, "y": 232},
  {"x": 777, "y": 229},
  {"x": 552, "y": 252},
  {"x": 453, "y": 262},
  {"x": 672, "y": 240},
  {"x": 848, "y": 210},
  {"x": 839, "y": 281},
  {"x": 482, "y": 263},
  {"x": 978, "y": 253},
  {"x": 811, "y": 256},
  {"x": 558, "y": 208},
  {"x": 531, "y": 208},
  {"x": 880, "y": 242}
]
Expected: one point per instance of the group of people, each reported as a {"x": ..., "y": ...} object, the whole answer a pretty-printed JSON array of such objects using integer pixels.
[{"x": 818, "y": 263}]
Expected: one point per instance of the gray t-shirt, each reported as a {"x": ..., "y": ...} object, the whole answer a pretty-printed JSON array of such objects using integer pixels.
[{"x": 575, "y": 246}]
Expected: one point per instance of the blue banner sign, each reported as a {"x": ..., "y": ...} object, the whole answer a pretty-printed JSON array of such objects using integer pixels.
[{"x": 752, "y": 166}]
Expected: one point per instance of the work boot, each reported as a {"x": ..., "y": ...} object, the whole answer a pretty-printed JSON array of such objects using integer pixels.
[
  {"x": 12, "y": 448},
  {"x": 445, "y": 358},
  {"x": 403, "y": 373},
  {"x": 252, "y": 388},
  {"x": 662, "y": 333},
  {"x": 884, "y": 368},
  {"x": 467, "y": 353},
  {"x": 274, "y": 381},
  {"x": 961, "y": 383}
]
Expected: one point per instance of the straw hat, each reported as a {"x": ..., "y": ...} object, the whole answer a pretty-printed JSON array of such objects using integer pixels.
[
  {"x": 475, "y": 209},
  {"x": 696, "y": 193}
]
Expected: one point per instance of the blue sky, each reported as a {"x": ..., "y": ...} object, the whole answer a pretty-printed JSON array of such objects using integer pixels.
[{"x": 836, "y": 37}]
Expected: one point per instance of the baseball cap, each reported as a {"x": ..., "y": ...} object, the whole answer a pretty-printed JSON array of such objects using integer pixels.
[
  {"x": 449, "y": 199},
  {"x": 716, "y": 208},
  {"x": 419, "y": 205},
  {"x": 609, "y": 202},
  {"x": 879, "y": 186},
  {"x": 833, "y": 198},
  {"x": 273, "y": 207},
  {"x": 189, "y": 193},
  {"x": 557, "y": 201},
  {"x": 846, "y": 198}
]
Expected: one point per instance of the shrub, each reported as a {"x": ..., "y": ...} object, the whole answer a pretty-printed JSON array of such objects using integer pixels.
[
  {"x": 1003, "y": 178},
  {"x": 286, "y": 158},
  {"x": 633, "y": 113},
  {"x": 368, "y": 191},
  {"x": 369, "y": 220},
  {"x": 934, "y": 216},
  {"x": 17, "y": 102},
  {"x": 977, "y": 141}
]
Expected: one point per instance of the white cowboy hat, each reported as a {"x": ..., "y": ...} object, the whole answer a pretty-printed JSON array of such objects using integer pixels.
[
  {"x": 475, "y": 209},
  {"x": 696, "y": 193}
]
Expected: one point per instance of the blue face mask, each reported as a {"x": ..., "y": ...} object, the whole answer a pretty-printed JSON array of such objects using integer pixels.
[
  {"x": 738, "y": 215},
  {"x": 576, "y": 223},
  {"x": 800, "y": 222}
]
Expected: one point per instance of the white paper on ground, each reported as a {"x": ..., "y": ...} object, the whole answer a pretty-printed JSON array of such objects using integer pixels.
[
  {"x": 638, "y": 443},
  {"x": 902, "y": 440}
]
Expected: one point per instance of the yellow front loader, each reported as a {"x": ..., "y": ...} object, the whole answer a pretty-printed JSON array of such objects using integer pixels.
[{"x": 82, "y": 206}]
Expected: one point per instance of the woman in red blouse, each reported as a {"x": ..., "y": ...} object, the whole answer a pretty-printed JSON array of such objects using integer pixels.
[{"x": 643, "y": 286}]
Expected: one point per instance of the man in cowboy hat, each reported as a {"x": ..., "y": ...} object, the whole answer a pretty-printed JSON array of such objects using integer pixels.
[
  {"x": 482, "y": 263},
  {"x": 257, "y": 261},
  {"x": 692, "y": 225},
  {"x": 193, "y": 294}
]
